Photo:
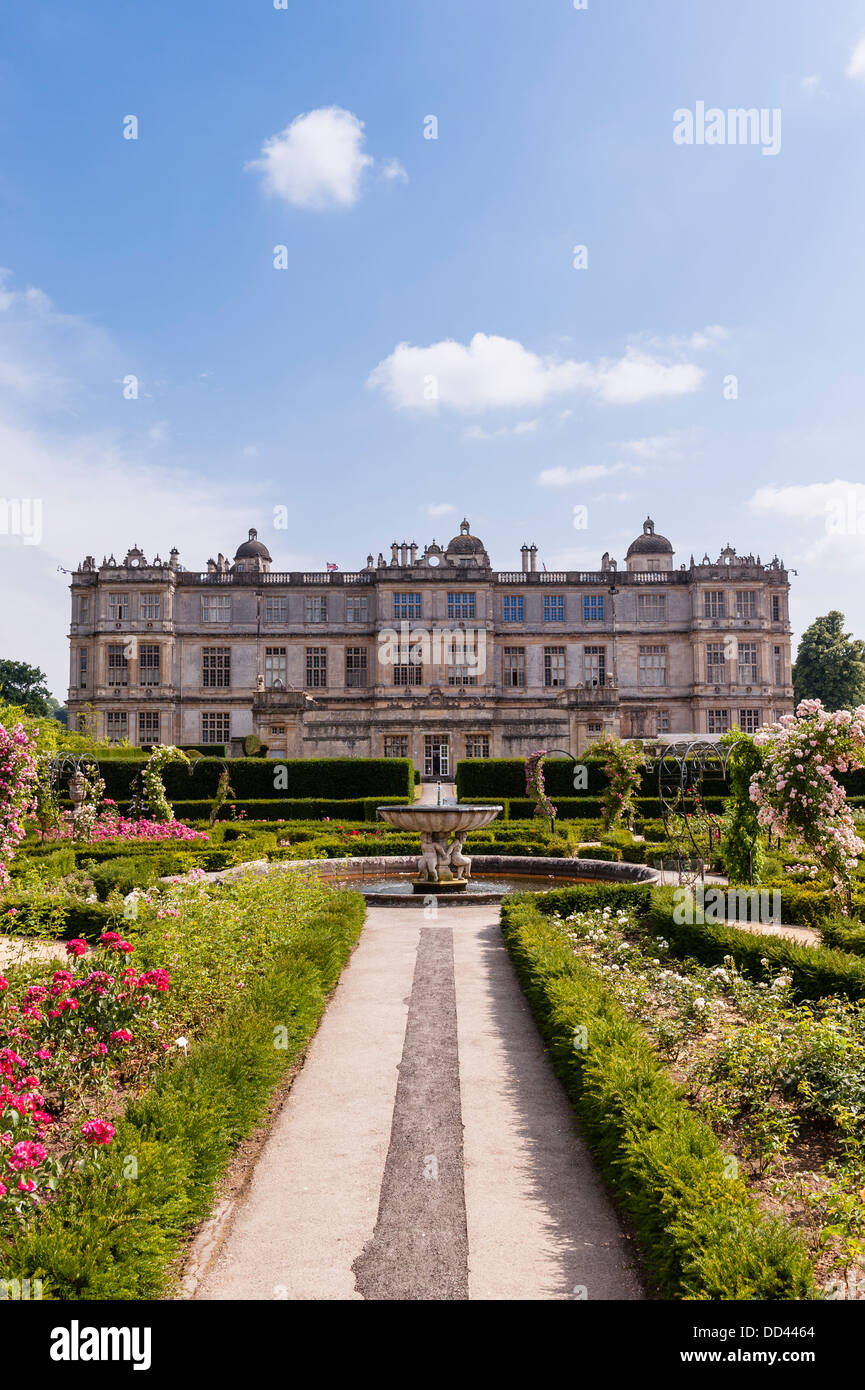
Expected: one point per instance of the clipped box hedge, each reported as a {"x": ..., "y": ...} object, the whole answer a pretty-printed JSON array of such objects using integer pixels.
[
  {"x": 497, "y": 778},
  {"x": 702, "y": 1235},
  {"x": 581, "y": 807},
  {"x": 816, "y": 971},
  {"x": 283, "y": 808},
  {"x": 255, "y": 779}
]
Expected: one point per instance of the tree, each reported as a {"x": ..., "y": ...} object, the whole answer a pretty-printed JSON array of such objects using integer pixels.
[
  {"x": 830, "y": 665},
  {"x": 24, "y": 685}
]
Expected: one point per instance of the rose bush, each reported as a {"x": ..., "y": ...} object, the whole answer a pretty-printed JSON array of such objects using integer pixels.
[
  {"x": 18, "y": 776},
  {"x": 796, "y": 792}
]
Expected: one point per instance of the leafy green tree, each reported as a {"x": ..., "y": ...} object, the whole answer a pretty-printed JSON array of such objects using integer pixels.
[
  {"x": 830, "y": 665},
  {"x": 742, "y": 843},
  {"x": 24, "y": 685}
]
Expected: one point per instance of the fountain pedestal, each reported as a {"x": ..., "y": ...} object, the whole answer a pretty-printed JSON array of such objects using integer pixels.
[{"x": 442, "y": 866}]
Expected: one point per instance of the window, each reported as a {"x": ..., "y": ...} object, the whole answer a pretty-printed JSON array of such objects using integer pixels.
[
  {"x": 150, "y": 607},
  {"x": 595, "y": 666},
  {"x": 148, "y": 664},
  {"x": 749, "y": 720},
  {"x": 514, "y": 659},
  {"x": 460, "y": 673},
  {"x": 554, "y": 666},
  {"x": 662, "y": 721},
  {"x": 653, "y": 666},
  {"x": 513, "y": 608},
  {"x": 396, "y": 746},
  {"x": 554, "y": 608},
  {"x": 148, "y": 726},
  {"x": 477, "y": 745},
  {"x": 406, "y": 606},
  {"x": 776, "y": 608},
  {"x": 84, "y": 610},
  {"x": 461, "y": 605},
  {"x": 277, "y": 728},
  {"x": 747, "y": 663},
  {"x": 355, "y": 666},
  {"x": 356, "y": 608},
  {"x": 275, "y": 668},
  {"x": 652, "y": 608},
  {"x": 779, "y": 665},
  {"x": 276, "y": 608},
  {"x": 215, "y": 666},
  {"x": 410, "y": 672},
  {"x": 746, "y": 603},
  {"x": 714, "y": 604},
  {"x": 717, "y": 721},
  {"x": 593, "y": 608},
  {"x": 316, "y": 667},
  {"x": 118, "y": 607},
  {"x": 215, "y": 728},
  {"x": 116, "y": 725},
  {"x": 594, "y": 731},
  {"x": 82, "y": 668},
  {"x": 716, "y": 663},
  {"x": 118, "y": 667},
  {"x": 316, "y": 608},
  {"x": 216, "y": 608}
]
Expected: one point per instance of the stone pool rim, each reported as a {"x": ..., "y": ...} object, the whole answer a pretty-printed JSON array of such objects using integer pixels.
[{"x": 497, "y": 865}]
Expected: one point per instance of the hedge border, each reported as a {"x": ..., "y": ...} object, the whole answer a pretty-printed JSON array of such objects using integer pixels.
[
  {"x": 107, "y": 1237},
  {"x": 702, "y": 1235},
  {"x": 816, "y": 971}
]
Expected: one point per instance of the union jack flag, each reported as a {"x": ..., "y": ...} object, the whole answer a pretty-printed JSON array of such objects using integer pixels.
[{"x": 332, "y": 567}]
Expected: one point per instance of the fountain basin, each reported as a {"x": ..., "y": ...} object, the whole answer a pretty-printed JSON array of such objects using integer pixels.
[{"x": 439, "y": 820}]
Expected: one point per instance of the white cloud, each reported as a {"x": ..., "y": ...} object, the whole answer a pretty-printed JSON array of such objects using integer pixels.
[
  {"x": 393, "y": 170},
  {"x": 440, "y": 508},
  {"x": 699, "y": 341},
  {"x": 856, "y": 66},
  {"x": 493, "y": 373},
  {"x": 656, "y": 447},
  {"x": 317, "y": 161},
  {"x": 567, "y": 477},
  {"x": 830, "y": 520},
  {"x": 811, "y": 83},
  {"x": 476, "y": 432},
  {"x": 98, "y": 489}
]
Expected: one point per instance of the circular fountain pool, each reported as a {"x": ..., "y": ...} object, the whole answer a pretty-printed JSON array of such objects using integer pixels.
[{"x": 481, "y": 888}]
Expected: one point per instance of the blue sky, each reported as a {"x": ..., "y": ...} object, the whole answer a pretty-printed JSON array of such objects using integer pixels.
[{"x": 552, "y": 387}]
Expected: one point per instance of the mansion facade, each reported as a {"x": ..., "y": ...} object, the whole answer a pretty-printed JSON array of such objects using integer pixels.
[{"x": 433, "y": 656}]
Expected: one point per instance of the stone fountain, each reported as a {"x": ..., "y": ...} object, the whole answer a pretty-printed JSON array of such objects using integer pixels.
[{"x": 442, "y": 866}]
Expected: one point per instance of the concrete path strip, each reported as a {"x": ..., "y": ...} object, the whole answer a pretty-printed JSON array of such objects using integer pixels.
[
  {"x": 426, "y": 1150},
  {"x": 313, "y": 1200}
]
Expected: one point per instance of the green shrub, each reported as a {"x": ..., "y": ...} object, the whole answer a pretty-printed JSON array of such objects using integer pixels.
[
  {"x": 844, "y": 935},
  {"x": 54, "y": 914},
  {"x": 608, "y": 853},
  {"x": 104, "y": 1237},
  {"x": 585, "y": 897},
  {"x": 702, "y": 1236},
  {"x": 816, "y": 971},
  {"x": 254, "y": 779}
]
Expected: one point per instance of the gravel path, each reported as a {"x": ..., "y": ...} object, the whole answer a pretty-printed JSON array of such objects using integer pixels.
[{"x": 426, "y": 1150}]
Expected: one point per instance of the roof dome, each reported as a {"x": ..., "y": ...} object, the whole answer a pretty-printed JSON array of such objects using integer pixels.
[
  {"x": 649, "y": 543},
  {"x": 253, "y": 549},
  {"x": 465, "y": 543}
]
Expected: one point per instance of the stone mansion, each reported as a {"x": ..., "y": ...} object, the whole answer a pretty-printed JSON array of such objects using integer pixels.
[{"x": 433, "y": 656}]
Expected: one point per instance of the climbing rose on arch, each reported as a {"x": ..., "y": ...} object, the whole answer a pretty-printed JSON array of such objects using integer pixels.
[
  {"x": 18, "y": 774},
  {"x": 796, "y": 792}
]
